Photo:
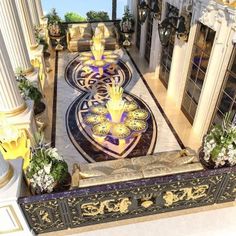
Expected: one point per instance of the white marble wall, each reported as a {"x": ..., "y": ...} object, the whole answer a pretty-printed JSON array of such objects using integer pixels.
[{"x": 221, "y": 19}]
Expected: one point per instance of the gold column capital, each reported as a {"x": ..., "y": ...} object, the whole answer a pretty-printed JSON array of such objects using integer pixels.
[
  {"x": 16, "y": 111},
  {"x": 6, "y": 178}
]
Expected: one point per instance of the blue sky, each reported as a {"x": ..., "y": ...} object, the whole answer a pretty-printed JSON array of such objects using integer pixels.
[{"x": 83, "y": 6}]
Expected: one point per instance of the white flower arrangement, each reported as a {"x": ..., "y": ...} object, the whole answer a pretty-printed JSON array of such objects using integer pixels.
[
  {"x": 46, "y": 169},
  {"x": 219, "y": 146}
]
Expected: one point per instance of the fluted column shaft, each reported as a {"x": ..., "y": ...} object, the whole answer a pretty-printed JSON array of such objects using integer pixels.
[
  {"x": 26, "y": 23},
  {"x": 10, "y": 99},
  {"x": 39, "y": 9},
  {"x": 34, "y": 12},
  {"x": 13, "y": 36}
]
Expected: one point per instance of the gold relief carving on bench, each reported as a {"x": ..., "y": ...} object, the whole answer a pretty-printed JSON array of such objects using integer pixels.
[
  {"x": 187, "y": 194},
  {"x": 45, "y": 216},
  {"x": 147, "y": 201},
  {"x": 120, "y": 205}
]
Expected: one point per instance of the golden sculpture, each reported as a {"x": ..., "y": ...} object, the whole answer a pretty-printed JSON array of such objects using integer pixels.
[
  {"x": 98, "y": 47},
  {"x": 191, "y": 193},
  {"x": 115, "y": 105},
  {"x": 120, "y": 205},
  {"x": 98, "y": 58},
  {"x": 14, "y": 143},
  {"x": 118, "y": 118}
]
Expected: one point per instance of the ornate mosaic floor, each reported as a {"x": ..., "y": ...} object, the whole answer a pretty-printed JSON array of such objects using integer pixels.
[{"x": 78, "y": 89}]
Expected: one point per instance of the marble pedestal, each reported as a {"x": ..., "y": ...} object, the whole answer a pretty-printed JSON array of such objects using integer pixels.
[{"x": 12, "y": 220}]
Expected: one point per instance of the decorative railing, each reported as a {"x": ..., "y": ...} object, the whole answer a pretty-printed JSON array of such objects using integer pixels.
[
  {"x": 111, "y": 202},
  {"x": 83, "y": 22}
]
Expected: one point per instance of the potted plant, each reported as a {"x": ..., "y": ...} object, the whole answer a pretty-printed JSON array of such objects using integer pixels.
[
  {"x": 54, "y": 29},
  {"x": 54, "y": 22},
  {"x": 219, "y": 145},
  {"x": 127, "y": 22},
  {"x": 28, "y": 91},
  {"x": 47, "y": 171}
]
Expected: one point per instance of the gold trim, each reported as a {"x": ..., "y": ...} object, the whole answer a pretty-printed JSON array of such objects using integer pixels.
[
  {"x": 17, "y": 111},
  {"x": 141, "y": 219},
  {"x": 6, "y": 179},
  {"x": 16, "y": 221},
  {"x": 32, "y": 47},
  {"x": 28, "y": 71}
]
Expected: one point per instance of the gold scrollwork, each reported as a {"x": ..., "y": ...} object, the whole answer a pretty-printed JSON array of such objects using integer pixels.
[
  {"x": 187, "y": 194},
  {"x": 45, "y": 216},
  {"x": 120, "y": 205}
]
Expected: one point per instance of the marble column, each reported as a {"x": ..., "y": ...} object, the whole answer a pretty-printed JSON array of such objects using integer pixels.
[
  {"x": 39, "y": 9},
  {"x": 6, "y": 172},
  {"x": 34, "y": 12},
  {"x": 26, "y": 23},
  {"x": 11, "y": 101},
  {"x": 13, "y": 36}
]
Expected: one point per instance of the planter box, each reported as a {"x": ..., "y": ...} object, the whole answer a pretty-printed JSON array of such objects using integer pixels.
[{"x": 136, "y": 198}]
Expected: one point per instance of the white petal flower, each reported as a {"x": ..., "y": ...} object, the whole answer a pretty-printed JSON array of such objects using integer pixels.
[{"x": 47, "y": 168}]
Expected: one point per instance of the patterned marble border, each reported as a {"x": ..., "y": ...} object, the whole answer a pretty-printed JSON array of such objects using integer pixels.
[{"x": 60, "y": 63}]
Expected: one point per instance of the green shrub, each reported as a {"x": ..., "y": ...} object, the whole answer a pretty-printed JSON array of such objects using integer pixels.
[
  {"x": 53, "y": 17},
  {"x": 73, "y": 17},
  {"x": 97, "y": 16}
]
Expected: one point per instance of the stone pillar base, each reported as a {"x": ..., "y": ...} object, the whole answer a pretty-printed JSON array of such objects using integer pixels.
[{"x": 13, "y": 221}]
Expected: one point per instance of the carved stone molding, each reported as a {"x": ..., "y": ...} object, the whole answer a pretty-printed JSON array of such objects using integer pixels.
[{"x": 211, "y": 12}]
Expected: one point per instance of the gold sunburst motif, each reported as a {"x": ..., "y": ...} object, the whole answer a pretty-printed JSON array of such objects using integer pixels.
[
  {"x": 108, "y": 53},
  {"x": 99, "y": 109},
  {"x": 102, "y": 129},
  {"x": 85, "y": 58},
  {"x": 139, "y": 114},
  {"x": 93, "y": 119},
  {"x": 130, "y": 106},
  {"x": 86, "y": 54},
  {"x": 136, "y": 125},
  {"x": 120, "y": 131}
]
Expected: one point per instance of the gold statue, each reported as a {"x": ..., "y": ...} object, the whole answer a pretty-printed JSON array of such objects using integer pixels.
[
  {"x": 14, "y": 143},
  {"x": 116, "y": 105}
]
